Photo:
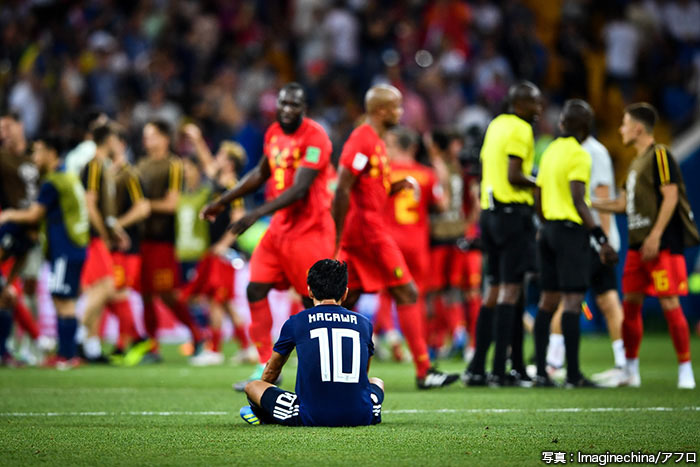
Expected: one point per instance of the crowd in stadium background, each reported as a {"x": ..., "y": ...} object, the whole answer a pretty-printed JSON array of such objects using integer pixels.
[{"x": 220, "y": 64}]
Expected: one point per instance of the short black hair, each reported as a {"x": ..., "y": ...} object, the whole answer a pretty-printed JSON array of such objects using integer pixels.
[
  {"x": 328, "y": 279},
  {"x": 405, "y": 137},
  {"x": 54, "y": 142},
  {"x": 162, "y": 126},
  {"x": 294, "y": 87},
  {"x": 101, "y": 133},
  {"x": 11, "y": 114},
  {"x": 577, "y": 117},
  {"x": 442, "y": 137},
  {"x": 644, "y": 113}
]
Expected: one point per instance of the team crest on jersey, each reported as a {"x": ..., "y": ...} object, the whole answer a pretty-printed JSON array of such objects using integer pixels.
[
  {"x": 398, "y": 273},
  {"x": 313, "y": 154}
]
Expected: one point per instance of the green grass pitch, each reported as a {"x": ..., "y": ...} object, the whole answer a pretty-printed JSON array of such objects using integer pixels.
[{"x": 175, "y": 414}]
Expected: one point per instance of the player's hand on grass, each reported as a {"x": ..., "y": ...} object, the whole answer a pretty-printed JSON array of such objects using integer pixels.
[
  {"x": 211, "y": 210},
  {"x": 650, "y": 247},
  {"x": 608, "y": 255},
  {"x": 242, "y": 224}
]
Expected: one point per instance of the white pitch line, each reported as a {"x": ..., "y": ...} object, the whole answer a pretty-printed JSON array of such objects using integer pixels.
[{"x": 399, "y": 411}]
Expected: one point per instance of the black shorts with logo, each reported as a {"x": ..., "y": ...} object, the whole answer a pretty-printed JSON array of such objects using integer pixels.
[
  {"x": 564, "y": 253},
  {"x": 508, "y": 238}
]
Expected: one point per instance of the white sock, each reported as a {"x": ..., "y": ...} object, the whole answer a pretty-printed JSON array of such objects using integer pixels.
[
  {"x": 392, "y": 337},
  {"x": 619, "y": 353},
  {"x": 92, "y": 347},
  {"x": 81, "y": 335},
  {"x": 632, "y": 366},
  {"x": 685, "y": 370},
  {"x": 556, "y": 351}
]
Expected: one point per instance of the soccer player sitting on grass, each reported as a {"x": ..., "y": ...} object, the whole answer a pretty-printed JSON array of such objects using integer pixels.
[{"x": 334, "y": 347}]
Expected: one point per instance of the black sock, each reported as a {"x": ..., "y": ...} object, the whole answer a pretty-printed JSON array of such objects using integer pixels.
[
  {"x": 543, "y": 320},
  {"x": 484, "y": 336},
  {"x": 504, "y": 335},
  {"x": 571, "y": 328},
  {"x": 517, "y": 361},
  {"x": 5, "y": 330}
]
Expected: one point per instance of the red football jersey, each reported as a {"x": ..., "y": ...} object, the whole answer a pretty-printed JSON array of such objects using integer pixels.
[
  {"x": 364, "y": 154},
  {"x": 309, "y": 146},
  {"x": 408, "y": 218}
]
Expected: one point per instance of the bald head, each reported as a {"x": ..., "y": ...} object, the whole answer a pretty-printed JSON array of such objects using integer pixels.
[
  {"x": 577, "y": 118},
  {"x": 380, "y": 96}
]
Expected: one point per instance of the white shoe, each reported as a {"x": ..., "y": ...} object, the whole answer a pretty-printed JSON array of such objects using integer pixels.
[
  {"x": 631, "y": 380},
  {"x": 207, "y": 358},
  {"x": 686, "y": 380},
  {"x": 247, "y": 355},
  {"x": 469, "y": 354},
  {"x": 610, "y": 378}
]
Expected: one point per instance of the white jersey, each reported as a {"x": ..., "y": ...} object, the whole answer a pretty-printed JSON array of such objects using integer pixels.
[{"x": 602, "y": 174}]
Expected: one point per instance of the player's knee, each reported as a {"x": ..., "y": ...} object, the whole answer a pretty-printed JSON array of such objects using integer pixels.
[
  {"x": 669, "y": 303},
  {"x": 405, "y": 294},
  {"x": 257, "y": 291},
  {"x": 549, "y": 301},
  {"x": 634, "y": 298},
  {"x": 509, "y": 293},
  {"x": 378, "y": 381}
]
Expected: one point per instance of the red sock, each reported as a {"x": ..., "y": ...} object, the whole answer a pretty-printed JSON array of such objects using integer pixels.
[
  {"x": 383, "y": 321},
  {"x": 260, "y": 327},
  {"x": 127, "y": 328},
  {"x": 632, "y": 328},
  {"x": 411, "y": 327},
  {"x": 216, "y": 340},
  {"x": 183, "y": 314},
  {"x": 150, "y": 320},
  {"x": 678, "y": 328},
  {"x": 241, "y": 336},
  {"x": 473, "y": 307},
  {"x": 25, "y": 319}
]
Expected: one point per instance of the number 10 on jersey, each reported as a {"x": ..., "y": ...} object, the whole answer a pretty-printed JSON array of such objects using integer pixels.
[{"x": 337, "y": 336}]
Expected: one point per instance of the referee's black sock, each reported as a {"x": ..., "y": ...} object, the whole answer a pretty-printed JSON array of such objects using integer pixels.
[
  {"x": 517, "y": 361},
  {"x": 484, "y": 336},
  {"x": 5, "y": 330},
  {"x": 504, "y": 335},
  {"x": 543, "y": 320},
  {"x": 571, "y": 328}
]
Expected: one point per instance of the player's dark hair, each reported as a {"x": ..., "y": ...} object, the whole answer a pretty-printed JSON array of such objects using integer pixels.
[
  {"x": 644, "y": 113},
  {"x": 162, "y": 126},
  {"x": 405, "y": 137},
  {"x": 294, "y": 87},
  {"x": 101, "y": 133},
  {"x": 328, "y": 279},
  {"x": 11, "y": 114},
  {"x": 442, "y": 137},
  {"x": 53, "y": 142}
]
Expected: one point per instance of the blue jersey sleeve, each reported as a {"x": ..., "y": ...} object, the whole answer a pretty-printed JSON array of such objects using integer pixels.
[
  {"x": 370, "y": 344},
  {"x": 48, "y": 195},
  {"x": 285, "y": 344}
]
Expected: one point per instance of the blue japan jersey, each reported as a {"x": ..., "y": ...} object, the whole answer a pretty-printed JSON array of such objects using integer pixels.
[{"x": 333, "y": 346}]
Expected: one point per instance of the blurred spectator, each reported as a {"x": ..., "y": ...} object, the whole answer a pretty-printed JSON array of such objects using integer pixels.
[{"x": 622, "y": 41}]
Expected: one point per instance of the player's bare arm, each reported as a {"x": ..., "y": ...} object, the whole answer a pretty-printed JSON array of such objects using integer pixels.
[
  {"x": 167, "y": 204},
  {"x": 612, "y": 206},
  {"x": 303, "y": 178},
  {"x": 274, "y": 367},
  {"x": 248, "y": 184},
  {"x": 138, "y": 212},
  {"x": 408, "y": 183},
  {"x": 578, "y": 194},
  {"x": 95, "y": 217},
  {"x": 537, "y": 194},
  {"x": 341, "y": 202},
  {"x": 515, "y": 173},
  {"x": 202, "y": 151},
  {"x": 602, "y": 192},
  {"x": 32, "y": 215},
  {"x": 669, "y": 201}
]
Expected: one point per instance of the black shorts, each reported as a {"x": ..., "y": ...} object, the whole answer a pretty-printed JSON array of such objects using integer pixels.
[
  {"x": 564, "y": 252},
  {"x": 281, "y": 407},
  {"x": 14, "y": 240},
  {"x": 508, "y": 238},
  {"x": 603, "y": 276}
]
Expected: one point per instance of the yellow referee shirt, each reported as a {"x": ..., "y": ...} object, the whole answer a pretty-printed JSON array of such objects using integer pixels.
[
  {"x": 507, "y": 135},
  {"x": 563, "y": 161}
]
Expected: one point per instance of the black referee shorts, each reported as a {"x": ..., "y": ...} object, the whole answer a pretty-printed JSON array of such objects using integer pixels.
[
  {"x": 603, "y": 276},
  {"x": 564, "y": 253},
  {"x": 508, "y": 239}
]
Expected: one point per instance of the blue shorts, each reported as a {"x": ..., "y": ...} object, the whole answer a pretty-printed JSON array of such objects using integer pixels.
[
  {"x": 64, "y": 277},
  {"x": 14, "y": 240},
  {"x": 281, "y": 407}
]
